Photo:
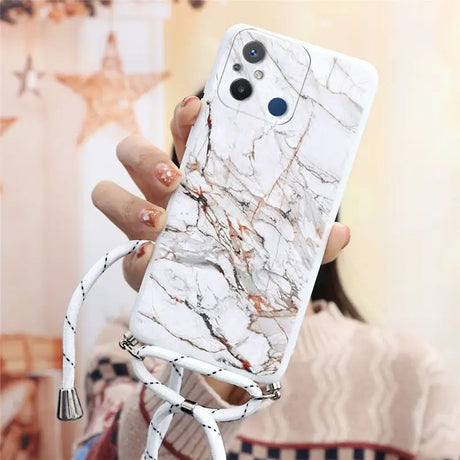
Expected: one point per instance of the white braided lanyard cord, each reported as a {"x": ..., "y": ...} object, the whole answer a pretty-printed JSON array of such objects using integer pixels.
[
  {"x": 76, "y": 301},
  {"x": 69, "y": 407},
  {"x": 174, "y": 402}
]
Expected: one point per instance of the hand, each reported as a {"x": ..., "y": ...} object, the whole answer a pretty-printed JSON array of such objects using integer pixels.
[{"x": 157, "y": 178}]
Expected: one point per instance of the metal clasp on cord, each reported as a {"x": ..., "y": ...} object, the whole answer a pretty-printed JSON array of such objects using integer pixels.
[
  {"x": 272, "y": 391},
  {"x": 187, "y": 406},
  {"x": 131, "y": 344}
]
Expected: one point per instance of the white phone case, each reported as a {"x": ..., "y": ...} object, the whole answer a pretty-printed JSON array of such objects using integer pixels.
[{"x": 233, "y": 271}]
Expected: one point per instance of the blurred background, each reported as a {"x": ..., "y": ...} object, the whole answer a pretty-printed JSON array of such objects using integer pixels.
[{"x": 79, "y": 75}]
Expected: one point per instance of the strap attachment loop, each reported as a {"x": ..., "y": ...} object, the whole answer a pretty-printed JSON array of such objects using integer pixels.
[
  {"x": 131, "y": 344},
  {"x": 272, "y": 391}
]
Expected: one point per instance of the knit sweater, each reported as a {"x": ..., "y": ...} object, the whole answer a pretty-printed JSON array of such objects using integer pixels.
[{"x": 351, "y": 391}]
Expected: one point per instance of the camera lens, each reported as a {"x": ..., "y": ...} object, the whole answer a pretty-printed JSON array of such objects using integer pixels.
[
  {"x": 254, "y": 51},
  {"x": 241, "y": 89}
]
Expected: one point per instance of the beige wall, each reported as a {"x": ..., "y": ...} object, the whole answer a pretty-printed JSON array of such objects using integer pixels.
[{"x": 401, "y": 267}]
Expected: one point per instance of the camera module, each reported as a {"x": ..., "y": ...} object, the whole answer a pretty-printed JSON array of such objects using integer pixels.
[
  {"x": 241, "y": 89},
  {"x": 254, "y": 51}
]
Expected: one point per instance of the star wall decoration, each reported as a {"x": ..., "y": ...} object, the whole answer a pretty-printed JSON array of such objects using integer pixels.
[
  {"x": 29, "y": 78},
  {"x": 110, "y": 94},
  {"x": 5, "y": 124}
]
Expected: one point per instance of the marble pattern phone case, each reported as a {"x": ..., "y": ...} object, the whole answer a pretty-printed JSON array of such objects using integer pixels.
[{"x": 233, "y": 271}]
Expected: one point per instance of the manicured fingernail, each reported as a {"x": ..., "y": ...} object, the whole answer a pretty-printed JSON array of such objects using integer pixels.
[
  {"x": 348, "y": 238},
  {"x": 141, "y": 251},
  {"x": 166, "y": 174},
  {"x": 186, "y": 100},
  {"x": 151, "y": 217}
]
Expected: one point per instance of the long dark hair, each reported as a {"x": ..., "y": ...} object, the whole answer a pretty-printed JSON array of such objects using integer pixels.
[{"x": 328, "y": 285}]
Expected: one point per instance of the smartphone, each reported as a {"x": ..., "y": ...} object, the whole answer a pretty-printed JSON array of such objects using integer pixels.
[{"x": 264, "y": 172}]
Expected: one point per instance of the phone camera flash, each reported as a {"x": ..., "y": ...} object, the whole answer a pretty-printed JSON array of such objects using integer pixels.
[{"x": 258, "y": 74}]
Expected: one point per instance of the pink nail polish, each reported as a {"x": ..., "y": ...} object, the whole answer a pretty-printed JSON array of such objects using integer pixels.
[
  {"x": 150, "y": 217},
  {"x": 186, "y": 100},
  {"x": 166, "y": 174}
]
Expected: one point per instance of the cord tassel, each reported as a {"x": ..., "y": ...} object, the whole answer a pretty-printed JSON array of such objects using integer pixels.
[{"x": 69, "y": 407}]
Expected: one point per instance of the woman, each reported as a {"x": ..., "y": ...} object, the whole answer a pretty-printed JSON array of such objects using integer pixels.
[{"x": 351, "y": 389}]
